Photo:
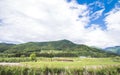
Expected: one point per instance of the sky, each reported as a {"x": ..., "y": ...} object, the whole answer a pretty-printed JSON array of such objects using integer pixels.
[{"x": 90, "y": 22}]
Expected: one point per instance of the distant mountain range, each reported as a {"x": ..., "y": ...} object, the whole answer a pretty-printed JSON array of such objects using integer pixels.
[
  {"x": 61, "y": 48},
  {"x": 115, "y": 49}
]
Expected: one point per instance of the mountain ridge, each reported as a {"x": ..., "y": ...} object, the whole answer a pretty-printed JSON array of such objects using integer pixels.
[
  {"x": 114, "y": 49},
  {"x": 58, "y": 48}
]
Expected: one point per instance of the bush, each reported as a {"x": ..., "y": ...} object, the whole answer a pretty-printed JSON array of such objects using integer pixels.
[{"x": 33, "y": 57}]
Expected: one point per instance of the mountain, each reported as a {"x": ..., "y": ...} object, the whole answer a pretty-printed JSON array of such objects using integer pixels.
[
  {"x": 61, "y": 48},
  {"x": 5, "y": 46},
  {"x": 38, "y": 46},
  {"x": 115, "y": 49}
]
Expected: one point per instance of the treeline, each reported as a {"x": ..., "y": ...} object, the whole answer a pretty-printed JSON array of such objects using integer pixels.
[{"x": 60, "y": 54}]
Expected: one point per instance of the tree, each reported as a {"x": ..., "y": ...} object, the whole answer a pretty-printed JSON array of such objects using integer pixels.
[{"x": 33, "y": 57}]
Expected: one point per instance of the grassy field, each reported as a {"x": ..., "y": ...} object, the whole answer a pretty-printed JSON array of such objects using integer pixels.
[
  {"x": 64, "y": 66},
  {"x": 72, "y": 62}
]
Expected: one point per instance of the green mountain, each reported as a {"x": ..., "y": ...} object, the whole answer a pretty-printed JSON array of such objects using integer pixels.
[
  {"x": 61, "y": 48},
  {"x": 5, "y": 46},
  {"x": 115, "y": 49}
]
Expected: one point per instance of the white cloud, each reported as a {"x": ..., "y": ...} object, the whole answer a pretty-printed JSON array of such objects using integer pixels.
[
  {"x": 113, "y": 25},
  {"x": 112, "y": 20},
  {"x": 97, "y": 14},
  {"x": 43, "y": 20},
  {"x": 109, "y": 37}
]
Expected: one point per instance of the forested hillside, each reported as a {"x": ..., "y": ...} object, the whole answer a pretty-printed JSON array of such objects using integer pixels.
[{"x": 61, "y": 48}]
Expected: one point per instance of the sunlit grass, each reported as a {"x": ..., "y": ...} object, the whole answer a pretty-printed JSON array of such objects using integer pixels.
[
  {"x": 51, "y": 66},
  {"x": 76, "y": 63}
]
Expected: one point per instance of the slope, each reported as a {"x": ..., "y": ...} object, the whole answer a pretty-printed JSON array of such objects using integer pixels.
[
  {"x": 115, "y": 49},
  {"x": 61, "y": 48}
]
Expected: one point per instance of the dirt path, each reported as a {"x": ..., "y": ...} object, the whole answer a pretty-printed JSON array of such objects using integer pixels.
[{"x": 10, "y": 64}]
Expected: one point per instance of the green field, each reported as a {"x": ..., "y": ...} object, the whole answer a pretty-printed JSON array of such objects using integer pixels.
[
  {"x": 72, "y": 62},
  {"x": 63, "y": 66}
]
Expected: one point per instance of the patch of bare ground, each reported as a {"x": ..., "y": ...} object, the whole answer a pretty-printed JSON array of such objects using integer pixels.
[{"x": 10, "y": 64}]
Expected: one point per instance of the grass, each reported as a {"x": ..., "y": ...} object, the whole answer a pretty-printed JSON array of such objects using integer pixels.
[
  {"x": 78, "y": 62},
  {"x": 79, "y": 66}
]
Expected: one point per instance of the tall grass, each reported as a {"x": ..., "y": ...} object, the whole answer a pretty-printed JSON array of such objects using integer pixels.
[
  {"x": 79, "y": 66},
  {"x": 18, "y": 70}
]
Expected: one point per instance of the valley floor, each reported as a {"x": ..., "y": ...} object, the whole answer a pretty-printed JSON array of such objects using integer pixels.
[{"x": 62, "y": 66}]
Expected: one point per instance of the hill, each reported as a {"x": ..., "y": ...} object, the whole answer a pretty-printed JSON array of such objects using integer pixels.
[
  {"x": 61, "y": 48},
  {"x": 5, "y": 46},
  {"x": 115, "y": 49}
]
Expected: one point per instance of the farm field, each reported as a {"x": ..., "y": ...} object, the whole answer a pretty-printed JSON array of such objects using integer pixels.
[
  {"x": 63, "y": 66},
  {"x": 72, "y": 62}
]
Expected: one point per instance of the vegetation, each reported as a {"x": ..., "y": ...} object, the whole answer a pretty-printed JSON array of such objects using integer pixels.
[
  {"x": 33, "y": 57},
  {"x": 15, "y": 59},
  {"x": 57, "y": 58},
  {"x": 72, "y": 62},
  {"x": 80, "y": 66},
  {"x": 109, "y": 70},
  {"x": 62, "y": 48},
  {"x": 4, "y": 46}
]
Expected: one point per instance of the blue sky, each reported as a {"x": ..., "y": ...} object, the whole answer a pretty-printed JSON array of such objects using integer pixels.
[
  {"x": 107, "y": 5},
  {"x": 90, "y": 22}
]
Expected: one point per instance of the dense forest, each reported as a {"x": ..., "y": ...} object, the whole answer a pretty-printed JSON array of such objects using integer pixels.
[{"x": 61, "y": 48}]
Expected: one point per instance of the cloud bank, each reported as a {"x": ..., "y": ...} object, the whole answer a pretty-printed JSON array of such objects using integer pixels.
[{"x": 42, "y": 20}]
